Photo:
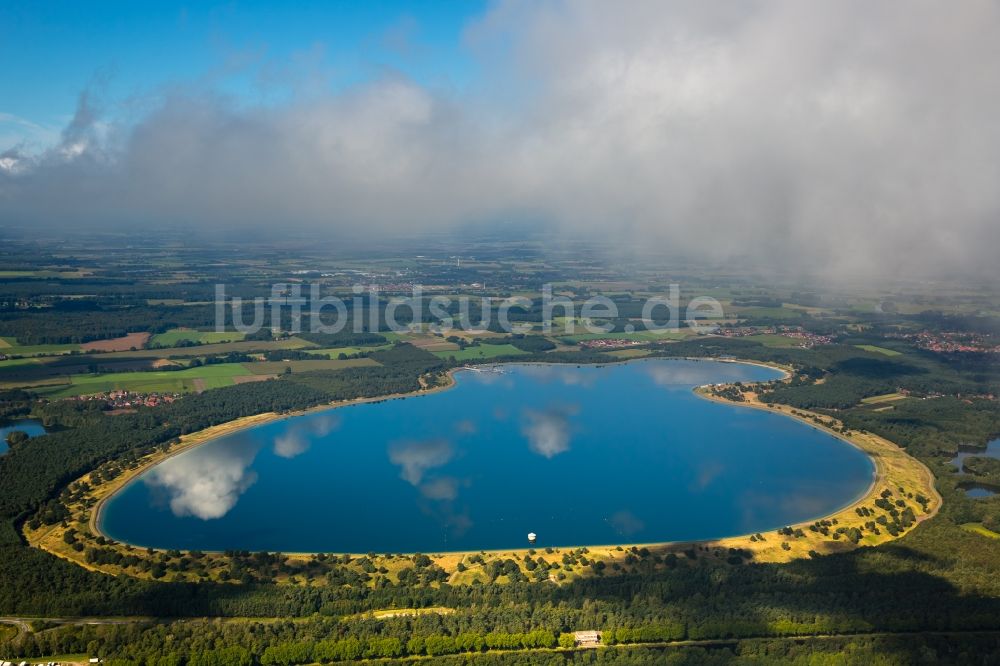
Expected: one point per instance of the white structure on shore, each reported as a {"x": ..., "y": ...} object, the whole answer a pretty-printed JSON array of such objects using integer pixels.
[{"x": 587, "y": 638}]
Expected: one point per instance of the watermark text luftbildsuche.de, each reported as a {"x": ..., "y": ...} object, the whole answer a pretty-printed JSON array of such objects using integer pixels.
[{"x": 296, "y": 308}]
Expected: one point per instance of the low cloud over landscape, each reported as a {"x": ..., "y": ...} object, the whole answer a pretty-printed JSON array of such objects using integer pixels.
[{"x": 846, "y": 137}]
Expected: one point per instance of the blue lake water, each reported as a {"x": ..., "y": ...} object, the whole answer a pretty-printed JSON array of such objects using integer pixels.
[
  {"x": 32, "y": 427},
  {"x": 622, "y": 453},
  {"x": 992, "y": 451}
]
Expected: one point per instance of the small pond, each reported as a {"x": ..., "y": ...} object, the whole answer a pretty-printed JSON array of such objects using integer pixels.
[
  {"x": 31, "y": 427},
  {"x": 992, "y": 451}
]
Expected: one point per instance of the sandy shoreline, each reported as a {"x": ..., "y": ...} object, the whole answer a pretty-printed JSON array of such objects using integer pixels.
[
  {"x": 214, "y": 432},
  {"x": 878, "y": 472},
  {"x": 193, "y": 440},
  {"x": 876, "y": 448}
]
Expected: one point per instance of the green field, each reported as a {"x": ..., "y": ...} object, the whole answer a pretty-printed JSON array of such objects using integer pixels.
[
  {"x": 772, "y": 314},
  {"x": 163, "y": 381},
  {"x": 13, "y": 362},
  {"x": 172, "y": 337},
  {"x": 41, "y": 274},
  {"x": 776, "y": 341},
  {"x": 630, "y": 353},
  {"x": 886, "y": 397},
  {"x": 641, "y": 336},
  {"x": 480, "y": 352},
  {"x": 208, "y": 350},
  {"x": 879, "y": 350},
  {"x": 559, "y": 324},
  {"x": 977, "y": 528},
  {"x": 10, "y": 347}
]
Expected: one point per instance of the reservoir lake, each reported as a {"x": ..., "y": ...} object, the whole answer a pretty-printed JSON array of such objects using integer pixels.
[{"x": 590, "y": 455}]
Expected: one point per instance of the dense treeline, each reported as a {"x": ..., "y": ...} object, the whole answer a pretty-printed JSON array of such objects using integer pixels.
[
  {"x": 75, "y": 327},
  {"x": 981, "y": 466},
  {"x": 35, "y": 472},
  {"x": 904, "y": 586},
  {"x": 78, "y": 321},
  {"x": 84, "y": 321},
  {"x": 345, "y": 338},
  {"x": 400, "y": 372},
  {"x": 958, "y": 322},
  {"x": 858, "y": 592},
  {"x": 922, "y": 582},
  {"x": 110, "y": 289},
  {"x": 528, "y": 343},
  {"x": 15, "y": 403},
  {"x": 931, "y": 427}
]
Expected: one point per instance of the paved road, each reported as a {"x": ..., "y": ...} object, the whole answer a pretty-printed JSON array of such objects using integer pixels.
[{"x": 23, "y": 624}]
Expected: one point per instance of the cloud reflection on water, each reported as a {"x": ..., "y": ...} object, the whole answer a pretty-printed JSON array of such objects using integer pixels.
[
  {"x": 489, "y": 378},
  {"x": 466, "y": 427},
  {"x": 673, "y": 375},
  {"x": 670, "y": 375},
  {"x": 626, "y": 523},
  {"x": 205, "y": 483},
  {"x": 443, "y": 488},
  {"x": 548, "y": 431},
  {"x": 414, "y": 458},
  {"x": 298, "y": 437},
  {"x": 438, "y": 494},
  {"x": 706, "y": 473},
  {"x": 567, "y": 376},
  {"x": 798, "y": 504}
]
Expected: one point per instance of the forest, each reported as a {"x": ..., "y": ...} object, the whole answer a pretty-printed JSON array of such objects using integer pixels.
[
  {"x": 919, "y": 583},
  {"x": 933, "y": 595}
]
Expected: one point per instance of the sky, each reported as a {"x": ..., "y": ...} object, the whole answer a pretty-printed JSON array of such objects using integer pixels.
[
  {"x": 833, "y": 138},
  {"x": 134, "y": 52}
]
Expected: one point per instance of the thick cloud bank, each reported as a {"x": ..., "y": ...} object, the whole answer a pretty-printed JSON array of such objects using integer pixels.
[{"x": 840, "y": 137}]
